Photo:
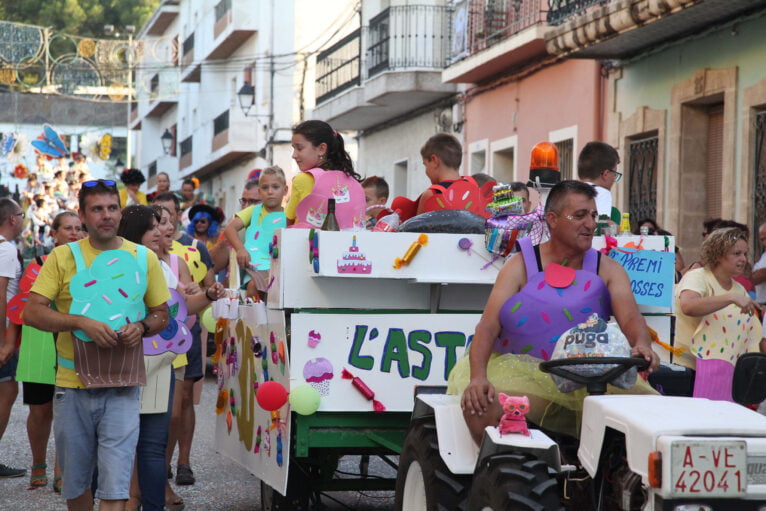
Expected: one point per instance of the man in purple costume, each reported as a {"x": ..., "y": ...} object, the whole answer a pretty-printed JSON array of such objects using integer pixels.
[{"x": 524, "y": 312}]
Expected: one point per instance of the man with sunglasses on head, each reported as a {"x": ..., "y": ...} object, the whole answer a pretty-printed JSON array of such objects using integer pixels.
[
  {"x": 96, "y": 407},
  {"x": 597, "y": 165}
]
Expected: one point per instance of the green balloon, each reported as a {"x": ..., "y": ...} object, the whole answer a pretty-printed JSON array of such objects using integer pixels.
[
  {"x": 304, "y": 399},
  {"x": 208, "y": 321}
]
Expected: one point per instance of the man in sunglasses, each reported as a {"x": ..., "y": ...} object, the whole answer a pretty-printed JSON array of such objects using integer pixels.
[
  {"x": 96, "y": 404},
  {"x": 597, "y": 165}
]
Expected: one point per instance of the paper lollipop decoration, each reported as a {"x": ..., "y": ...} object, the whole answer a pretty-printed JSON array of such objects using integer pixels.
[
  {"x": 111, "y": 290},
  {"x": 176, "y": 337},
  {"x": 466, "y": 245},
  {"x": 363, "y": 389},
  {"x": 271, "y": 396}
]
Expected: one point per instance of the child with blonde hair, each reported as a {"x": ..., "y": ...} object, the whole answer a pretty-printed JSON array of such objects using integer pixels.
[{"x": 260, "y": 222}]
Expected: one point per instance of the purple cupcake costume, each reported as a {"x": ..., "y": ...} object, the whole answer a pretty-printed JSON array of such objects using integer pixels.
[{"x": 533, "y": 319}]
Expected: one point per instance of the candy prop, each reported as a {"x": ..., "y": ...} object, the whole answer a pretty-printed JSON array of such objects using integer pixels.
[
  {"x": 305, "y": 399},
  {"x": 408, "y": 256},
  {"x": 111, "y": 290},
  {"x": 207, "y": 320},
  {"x": 593, "y": 338},
  {"x": 176, "y": 337},
  {"x": 265, "y": 363},
  {"x": 466, "y": 244},
  {"x": 364, "y": 390},
  {"x": 282, "y": 356},
  {"x": 232, "y": 403},
  {"x": 273, "y": 346},
  {"x": 514, "y": 411},
  {"x": 229, "y": 420},
  {"x": 271, "y": 396},
  {"x": 318, "y": 372},
  {"x": 279, "y": 450}
]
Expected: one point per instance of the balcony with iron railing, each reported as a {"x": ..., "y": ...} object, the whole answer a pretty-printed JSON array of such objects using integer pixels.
[
  {"x": 619, "y": 29},
  {"x": 190, "y": 68},
  {"x": 386, "y": 69},
  {"x": 491, "y": 36}
]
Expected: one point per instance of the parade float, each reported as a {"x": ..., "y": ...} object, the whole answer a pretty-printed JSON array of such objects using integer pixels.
[{"x": 355, "y": 322}]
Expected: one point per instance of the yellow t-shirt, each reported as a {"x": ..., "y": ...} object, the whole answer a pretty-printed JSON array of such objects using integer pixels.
[
  {"x": 725, "y": 343},
  {"x": 246, "y": 215},
  {"x": 53, "y": 283},
  {"x": 124, "y": 197},
  {"x": 302, "y": 185}
]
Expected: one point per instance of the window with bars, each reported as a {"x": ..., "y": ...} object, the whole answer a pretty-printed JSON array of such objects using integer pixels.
[
  {"x": 759, "y": 177},
  {"x": 566, "y": 150},
  {"x": 642, "y": 178}
]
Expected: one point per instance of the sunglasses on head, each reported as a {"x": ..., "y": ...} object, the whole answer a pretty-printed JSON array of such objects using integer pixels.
[{"x": 104, "y": 182}]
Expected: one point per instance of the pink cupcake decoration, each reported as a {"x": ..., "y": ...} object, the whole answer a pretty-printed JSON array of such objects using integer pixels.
[
  {"x": 314, "y": 338},
  {"x": 318, "y": 372}
]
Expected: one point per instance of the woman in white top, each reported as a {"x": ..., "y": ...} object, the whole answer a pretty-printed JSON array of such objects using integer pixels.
[{"x": 142, "y": 224}]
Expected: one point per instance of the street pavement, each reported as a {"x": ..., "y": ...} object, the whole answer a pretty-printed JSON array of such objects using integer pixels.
[{"x": 221, "y": 484}]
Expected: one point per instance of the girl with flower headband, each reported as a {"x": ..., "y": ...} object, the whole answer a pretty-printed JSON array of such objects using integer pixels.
[{"x": 326, "y": 173}]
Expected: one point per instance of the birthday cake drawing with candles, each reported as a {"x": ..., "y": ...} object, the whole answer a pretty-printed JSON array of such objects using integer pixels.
[{"x": 354, "y": 261}]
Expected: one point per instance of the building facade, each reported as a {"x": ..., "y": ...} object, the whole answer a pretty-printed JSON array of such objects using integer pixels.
[{"x": 685, "y": 103}]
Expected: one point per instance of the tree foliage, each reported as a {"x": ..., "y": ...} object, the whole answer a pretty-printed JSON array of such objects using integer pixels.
[{"x": 79, "y": 17}]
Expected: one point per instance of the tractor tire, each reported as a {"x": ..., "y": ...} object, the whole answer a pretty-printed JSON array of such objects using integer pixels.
[
  {"x": 514, "y": 481},
  {"x": 423, "y": 482}
]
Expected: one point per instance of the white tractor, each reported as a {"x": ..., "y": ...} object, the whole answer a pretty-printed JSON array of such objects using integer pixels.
[{"x": 648, "y": 453}]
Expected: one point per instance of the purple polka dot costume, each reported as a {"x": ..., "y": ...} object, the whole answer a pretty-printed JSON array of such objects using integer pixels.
[{"x": 533, "y": 319}]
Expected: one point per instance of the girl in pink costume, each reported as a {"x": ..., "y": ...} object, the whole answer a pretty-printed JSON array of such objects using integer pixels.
[{"x": 326, "y": 173}]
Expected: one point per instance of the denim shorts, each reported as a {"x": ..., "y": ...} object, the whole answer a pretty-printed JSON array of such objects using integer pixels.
[
  {"x": 8, "y": 370},
  {"x": 96, "y": 426},
  {"x": 193, "y": 370}
]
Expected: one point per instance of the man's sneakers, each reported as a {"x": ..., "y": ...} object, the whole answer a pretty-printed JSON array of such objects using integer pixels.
[
  {"x": 184, "y": 475},
  {"x": 6, "y": 471}
]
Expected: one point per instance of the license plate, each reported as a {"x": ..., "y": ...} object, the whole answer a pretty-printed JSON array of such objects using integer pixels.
[{"x": 712, "y": 469}]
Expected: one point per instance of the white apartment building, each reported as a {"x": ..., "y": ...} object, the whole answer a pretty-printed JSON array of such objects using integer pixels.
[
  {"x": 196, "y": 56},
  {"x": 384, "y": 81}
]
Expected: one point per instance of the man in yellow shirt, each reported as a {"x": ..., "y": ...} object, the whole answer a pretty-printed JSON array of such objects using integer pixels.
[{"x": 95, "y": 425}]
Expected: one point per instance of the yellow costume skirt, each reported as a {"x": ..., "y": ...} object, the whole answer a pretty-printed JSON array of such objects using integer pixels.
[{"x": 519, "y": 375}]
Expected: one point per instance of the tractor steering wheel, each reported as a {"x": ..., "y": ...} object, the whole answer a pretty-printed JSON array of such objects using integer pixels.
[{"x": 596, "y": 385}]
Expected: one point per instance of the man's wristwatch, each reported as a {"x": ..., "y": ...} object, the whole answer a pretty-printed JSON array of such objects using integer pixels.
[{"x": 145, "y": 326}]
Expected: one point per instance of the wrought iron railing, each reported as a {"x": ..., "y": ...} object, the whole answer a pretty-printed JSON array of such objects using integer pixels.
[
  {"x": 408, "y": 36},
  {"x": 560, "y": 10},
  {"x": 642, "y": 178},
  {"x": 338, "y": 67},
  {"x": 480, "y": 24},
  {"x": 759, "y": 178}
]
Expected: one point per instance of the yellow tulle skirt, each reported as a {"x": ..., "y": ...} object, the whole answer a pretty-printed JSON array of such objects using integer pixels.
[{"x": 519, "y": 375}]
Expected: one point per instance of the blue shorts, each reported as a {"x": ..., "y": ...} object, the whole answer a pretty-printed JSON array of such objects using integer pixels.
[
  {"x": 8, "y": 370},
  {"x": 193, "y": 370},
  {"x": 96, "y": 426}
]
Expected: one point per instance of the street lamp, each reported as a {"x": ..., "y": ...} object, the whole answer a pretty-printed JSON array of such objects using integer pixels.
[
  {"x": 246, "y": 96},
  {"x": 167, "y": 141}
]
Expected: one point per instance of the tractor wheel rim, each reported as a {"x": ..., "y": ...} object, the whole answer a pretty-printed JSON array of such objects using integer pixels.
[{"x": 414, "y": 489}]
